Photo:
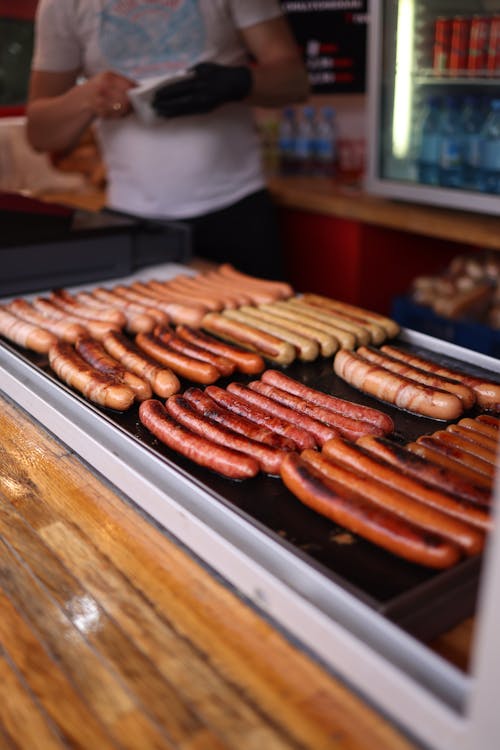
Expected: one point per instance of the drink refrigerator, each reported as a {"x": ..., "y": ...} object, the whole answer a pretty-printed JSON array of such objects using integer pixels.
[{"x": 434, "y": 53}]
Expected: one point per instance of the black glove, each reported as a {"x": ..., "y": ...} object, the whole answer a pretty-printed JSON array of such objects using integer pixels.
[{"x": 210, "y": 86}]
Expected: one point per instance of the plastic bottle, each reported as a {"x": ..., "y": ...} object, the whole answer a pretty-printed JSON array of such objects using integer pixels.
[
  {"x": 451, "y": 168},
  {"x": 472, "y": 119},
  {"x": 429, "y": 143},
  {"x": 325, "y": 145},
  {"x": 489, "y": 151},
  {"x": 305, "y": 141},
  {"x": 286, "y": 141}
]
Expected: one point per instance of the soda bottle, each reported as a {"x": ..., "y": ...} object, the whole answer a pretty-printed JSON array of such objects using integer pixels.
[
  {"x": 489, "y": 151},
  {"x": 286, "y": 141},
  {"x": 472, "y": 120},
  {"x": 451, "y": 173},
  {"x": 325, "y": 146},
  {"x": 429, "y": 143},
  {"x": 304, "y": 141}
]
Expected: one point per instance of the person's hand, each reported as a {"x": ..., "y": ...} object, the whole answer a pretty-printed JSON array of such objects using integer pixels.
[
  {"x": 209, "y": 86},
  {"x": 107, "y": 92}
]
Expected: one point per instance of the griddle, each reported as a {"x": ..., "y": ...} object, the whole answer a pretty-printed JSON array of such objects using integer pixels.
[{"x": 422, "y": 601}]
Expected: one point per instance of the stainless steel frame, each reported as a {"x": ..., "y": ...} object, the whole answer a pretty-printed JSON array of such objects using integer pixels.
[{"x": 416, "y": 688}]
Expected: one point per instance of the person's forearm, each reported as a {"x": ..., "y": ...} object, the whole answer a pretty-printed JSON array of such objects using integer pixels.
[
  {"x": 57, "y": 123},
  {"x": 280, "y": 84}
]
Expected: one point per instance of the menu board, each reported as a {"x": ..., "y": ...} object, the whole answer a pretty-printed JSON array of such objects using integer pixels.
[{"x": 332, "y": 37}]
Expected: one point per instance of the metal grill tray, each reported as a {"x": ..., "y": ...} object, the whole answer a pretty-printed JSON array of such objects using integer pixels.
[{"x": 423, "y": 602}]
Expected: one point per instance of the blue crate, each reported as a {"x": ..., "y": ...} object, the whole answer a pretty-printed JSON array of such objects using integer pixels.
[{"x": 466, "y": 333}]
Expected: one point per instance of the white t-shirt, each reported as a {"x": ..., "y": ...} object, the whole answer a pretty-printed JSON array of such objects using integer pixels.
[{"x": 178, "y": 168}]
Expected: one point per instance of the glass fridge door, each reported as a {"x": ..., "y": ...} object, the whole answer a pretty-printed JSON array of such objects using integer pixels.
[{"x": 434, "y": 102}]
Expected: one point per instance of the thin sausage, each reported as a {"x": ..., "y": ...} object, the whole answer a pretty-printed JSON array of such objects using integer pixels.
[
  {"x": 177, "y": 312},
  {"x": 268, "y": 458},
  {"x": 94, "y": 385},
  {"x": 487, "y": 392},
  {"x": 162, "y": 380},
  {"x": 206, "y": 406},
  {"x": 224, "y": 365},
  {"x": 345, "y": 426},
  {"x": 172, "y": 289},
  {"x": 232, "y": 399},
  {"x": 307, "y": 348},
  {"x": 279, "y": 288},
  {"x": 169, "y": 296},
  {"x": 63, "y": 299},
  {"x": 489, "y": 420},
  {"x": 360, "y": 460},
  {"x": 96, "y": 355},
  {"x": 199, "y": 286},
  {"x": 135, "y": 322},
  {"x": 230, "y": 463},
  {"x": 363, "y": 517},
  {"x": 361, "y": 335},
  {"x": 186, "y": 367},
  {"x": 465, "y": 394},
  {"x": 458, "y": 454},
  {"x": 378, "y": 334},
  {"x": 469, "y": 446},
  {"x": 131, "y": 306},
  {"x": 426, "y": 470},
  {"x": 328, "y": 345},
  {"x": 326, "y": 400},
  {"x": 477, "y": 425},
  {"x": 396, "y": 389},
  {"x": 249, "y": 337},
  {"x": 26, "y": 334},
  {"x": 319, "y": 430},
  {"x": 62, "y": 329},
  {"x": 346, "y": 339},
  {"x": 96, "y": 328},
  {"x": 474, "y": 436},
  {"x": 441, "y": 458},
  {"x": 391, "y": 326},
  {"x": 347, "y": 480},
  {"x": 249, "y": 363}
]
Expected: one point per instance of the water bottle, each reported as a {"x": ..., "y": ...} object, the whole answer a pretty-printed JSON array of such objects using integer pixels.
[
  {"x": 451, "y": 171},
  {"x": 489, "y": 151},
  {"x": 305, "y": 141},
  {"x": 325, "y": 146},
  {"x": 429, "y": 143},
  {"x": 286, "y": 141},
  {"x": 472, "y": 120}
]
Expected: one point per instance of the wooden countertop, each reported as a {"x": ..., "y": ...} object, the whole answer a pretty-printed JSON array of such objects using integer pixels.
[
  {"x": 325, "y": 196},
  {"x": 113, "y": 636}
]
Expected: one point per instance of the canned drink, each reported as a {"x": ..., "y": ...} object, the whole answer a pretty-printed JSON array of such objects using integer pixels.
[
  {"x": 442, "y": 44},
  {"x": 460, "y": 34},
  {"x": 493, "y": 61},
  {"x": 478, "y": 45}
]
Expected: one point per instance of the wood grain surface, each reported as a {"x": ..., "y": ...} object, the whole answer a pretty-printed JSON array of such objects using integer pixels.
[{"x": 113, "y": 636}]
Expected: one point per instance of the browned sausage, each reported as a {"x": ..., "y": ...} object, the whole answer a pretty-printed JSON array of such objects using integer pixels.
[
  {"x": 377, "y": 332},
  {"x": 469, "y": 446},
  {"x": 464, "y": 393},
  {"x": 490, "y": 420},
  {"x": 361, "y": 335},
  {"x": 458, "y": 454},
  {"x": 249, "y": 363},
  {"x": 96, "y": 328},
  {"x": 474, "y": 436},
  {"x": 224, "y": 365},
  {"x": 345, "y": 426},
  {"x": 186, "y": 367},
  {"x": 363, "y": 517},
  {"x": 360, "y": 460},
  {"x": 216, "y": 298},
  {"x": 25, "y": 334},
  {"x": 248, "y": 337},
  {"x": 327, "y": 344},
  {"x": 287, "y": 310},
  {"x": 319, "y": 430},
  {"x": 162, "y": 380},
  {"x": 487, "y": 392},
  {"x": 279, "y": 288},
  {"x": 94, "y": 385},
  {"x": 396, "y": 389},
  {"x": 206, "y": 405},
  {"x": 230, "y": 463},
  {"x": 135, "y": 322},
  {"x": 174, "y": 291},
  {"x": 191, "y": 314},
  {"x": 339, "y": 405},
  {"x": 232, "y": 400},
  {"x": 62, "y": 329},
  {"x": 438, "y": 457},
  {"x": 63, "y": 299},
  {"x": 347, "y": 480},
  {"x": 131, "y": 306},
  {"x": 423, "y": 468},
  {"x": 478, "y": 425},
  {"x": 268, "y": 458},
  {"x": 96, "y": 355}
]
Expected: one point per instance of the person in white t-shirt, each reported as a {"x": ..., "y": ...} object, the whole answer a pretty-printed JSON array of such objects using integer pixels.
[{"x": 200, "y": 160}]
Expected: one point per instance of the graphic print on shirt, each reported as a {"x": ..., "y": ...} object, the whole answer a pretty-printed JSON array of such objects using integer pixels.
[{"x": 141, "y": 39}]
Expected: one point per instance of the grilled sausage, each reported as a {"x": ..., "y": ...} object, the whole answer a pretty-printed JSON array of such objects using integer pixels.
[
  {"x": 363, "y": 517},
  {"x": 230, "y": 463},
  {"x": 249, "y": 337},
  {"x": 469, "y": 446},
  {"x": 378, "y": 334},
  {"x": 63, "y": 299},
  {"x": 62, "y": 329},
  {"x": 94, "y": 385},
  {"x": 478, "y": 426},
  {"x": 249, "y": 363},
  {"x": 128, "y": 305},
  {"x": 26, "y": 334},
  {"x": 96, "y": 355},
  {"x": 390, "y": 326},
  {"x": 280, "y": 288},
  {"x": 96, "y": 328},
  {"x": 224, "y": 365},
  {"x": 442, "y": 459},
  {"x": 187, "y": 367},
  {"x": 328, "y": 345},
  {"x": 346, "y": 340},
  {"x": 458, "y": 454},
  {"x": 396, "y": 389}
]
